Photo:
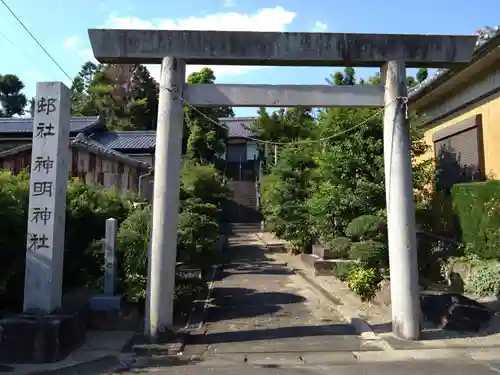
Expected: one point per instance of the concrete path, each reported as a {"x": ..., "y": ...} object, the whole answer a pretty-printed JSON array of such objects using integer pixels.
[
  {"x": 264, "y": 320},
  {"x": 260, "y": 306}
]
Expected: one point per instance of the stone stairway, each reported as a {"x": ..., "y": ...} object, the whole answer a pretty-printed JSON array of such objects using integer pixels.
[{"x": 242, "y": 205}]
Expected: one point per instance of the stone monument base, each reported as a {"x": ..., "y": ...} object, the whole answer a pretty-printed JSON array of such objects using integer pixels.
[
  {"x": 40, "y": 338},
  {"x": 113, "y": 313},
  {"x": 102, "y": 302},
  {"x": 170, "y": 342}
]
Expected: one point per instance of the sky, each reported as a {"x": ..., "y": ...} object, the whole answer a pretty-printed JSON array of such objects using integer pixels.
[{"x": 61, "y": 27}]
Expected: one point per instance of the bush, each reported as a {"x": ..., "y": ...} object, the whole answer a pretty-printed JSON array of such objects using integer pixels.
[
  {"x": 87, "y": 209},
  {"x": 132, "y": 243},
  {"x": 370, "y": 253},
  {"x": 484, "y": 280},
  {"x": 197, "y": 241},
  {"x": 88, "y": 206},
  {"x": 13, "y": 220},
  {"x": 203, "y": 182},
  {"x": 365, "y": 227},
  {"x": 341, "y": 270},
  {"x": 477, "y": 207},
  {"x": 365, "y": 282},
  {"x": 340, "y": 247},
  {"x": 198, "y": 233}
]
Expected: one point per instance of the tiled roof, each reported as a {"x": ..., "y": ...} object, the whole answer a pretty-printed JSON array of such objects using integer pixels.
[
  {"x": 485, "y": 36},
  {"x": 122, "y": 140},
  {"x": 99, "y": 148},
  {"x": 25, "y": 124},
  {"x": 83, "y": 141},
  {"x": 129, "y": 140},
  {"x": 239, "y": 127}
]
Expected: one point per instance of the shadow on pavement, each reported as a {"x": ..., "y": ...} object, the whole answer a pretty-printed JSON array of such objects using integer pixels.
[
  {"x": 238, "y": 303},
  {"x": 280, "y": 333}
]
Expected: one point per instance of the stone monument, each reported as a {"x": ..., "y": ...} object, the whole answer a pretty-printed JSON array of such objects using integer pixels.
[{"x": 47, "y": 202}]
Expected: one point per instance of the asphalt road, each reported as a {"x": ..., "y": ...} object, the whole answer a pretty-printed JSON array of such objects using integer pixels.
[{"x": 416, "y": 367}]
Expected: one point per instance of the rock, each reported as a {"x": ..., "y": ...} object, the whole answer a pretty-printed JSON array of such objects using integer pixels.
[{"x": 453, "y": 311}]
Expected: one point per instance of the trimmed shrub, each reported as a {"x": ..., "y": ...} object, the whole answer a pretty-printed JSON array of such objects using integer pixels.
[
  {"x": 477, "y": 207},
  {"x": 365, "y": 227},
  {"x": 341, "y": 270},
  {"x": 340, "y": 247},
  {"x": 484, "y": 280},
  {"x": 365, "y": 282},
  {"x": 370, "y": 253}
]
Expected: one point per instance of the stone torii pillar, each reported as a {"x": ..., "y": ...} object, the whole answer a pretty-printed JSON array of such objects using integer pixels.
[
  {"x": 283, "y": 49},
  {"x": 166, "y": 196}
]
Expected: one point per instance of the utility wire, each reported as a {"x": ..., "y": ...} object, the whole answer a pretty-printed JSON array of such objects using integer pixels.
[
  {"x": 35, "y": 39},
  {"x": 307, "y": 141},
  {"x": 20, "y": 50}
]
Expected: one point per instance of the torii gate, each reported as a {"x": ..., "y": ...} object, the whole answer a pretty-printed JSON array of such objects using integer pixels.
[{"x": 392, "y": 52}]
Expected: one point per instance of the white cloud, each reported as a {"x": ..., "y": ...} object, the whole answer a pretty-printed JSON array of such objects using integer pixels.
[
  {"x": 229, "y": 3},
  {"x": 320, "y": 27},
  {"x": 71, "y": 42},
  {"x": 266, "y": 19}
]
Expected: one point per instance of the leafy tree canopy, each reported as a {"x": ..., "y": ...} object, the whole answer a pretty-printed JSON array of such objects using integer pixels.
[{"x": 12, "y": 100}]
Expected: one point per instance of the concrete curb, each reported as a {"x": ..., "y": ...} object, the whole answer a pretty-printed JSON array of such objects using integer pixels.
[
  {"x": 197, "y": 316},
  {"x": 362, "y": 327},
  {"x": 108, "y": 363}
]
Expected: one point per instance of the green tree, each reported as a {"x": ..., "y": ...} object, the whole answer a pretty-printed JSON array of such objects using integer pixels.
[
  {"x": 203, "y": 139},
  {"x": 339, "y": 78},
  {"x": 12, "y": 100},
  {"x": 284, "y": 195},
  {"x": 130, "y": 105},
  {"x": 343, "y": 175},
  {"x": 422, "y": 74},
  {"x": 80, "y": 97},
  {"x": 282, "y": 126}
]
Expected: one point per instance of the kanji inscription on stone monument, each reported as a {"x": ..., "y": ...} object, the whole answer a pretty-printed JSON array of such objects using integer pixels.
[{"x": 47, "y": 202}]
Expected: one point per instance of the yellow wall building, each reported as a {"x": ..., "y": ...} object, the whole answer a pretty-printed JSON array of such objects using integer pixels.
[{"x": 461, "y": 113}]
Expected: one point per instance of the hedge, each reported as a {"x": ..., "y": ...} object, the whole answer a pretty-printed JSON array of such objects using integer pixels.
[
  {"x": 477, "y": 210},
  {"x": 88, "y": 207}
]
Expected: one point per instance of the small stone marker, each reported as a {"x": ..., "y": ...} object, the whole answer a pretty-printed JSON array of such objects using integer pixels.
[
  {"x": 109, "y": 257},
  {"x": 108, "y": 300},
  {"x": 47, "y": 202}
]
